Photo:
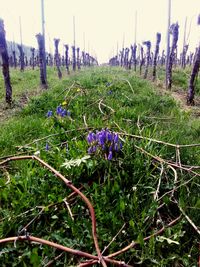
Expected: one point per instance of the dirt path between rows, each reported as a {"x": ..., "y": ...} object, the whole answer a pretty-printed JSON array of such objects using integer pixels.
[
  {"x": 180, "y": 97},
  {"x": 19, "y": 102}
]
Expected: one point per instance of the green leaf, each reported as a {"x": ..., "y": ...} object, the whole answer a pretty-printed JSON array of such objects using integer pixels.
[
  {"x": 122, "y": 205},
  {"x": 34, "y": 258},
  {"x": 131, "y": 223}
]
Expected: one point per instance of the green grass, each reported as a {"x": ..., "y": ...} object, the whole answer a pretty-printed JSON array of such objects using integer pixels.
[{"x": 121, "y": 190}]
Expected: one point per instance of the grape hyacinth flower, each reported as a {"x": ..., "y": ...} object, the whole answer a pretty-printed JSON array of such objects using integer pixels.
[
  {"x": 49, "y": 113},
  {"x": 61, "y": 112},
  {"x": 47, "y": 147},
  {"x": 105, "y": 143},
  {"x": 110, "y": 155}
]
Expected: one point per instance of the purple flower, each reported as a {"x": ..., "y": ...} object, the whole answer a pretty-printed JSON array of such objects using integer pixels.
[
  {"x": 63, "y": 113},
  {"x": 109, "y": 136},
  {"x": 110, "y": 155},
  {"x": 90, "y": 150},
  {"x": 47, "y": 147},
  {"x": 102, "y": 139},
  {"x": 90, "y": 137},
  {"x": 94, "y": 148},
  {"x": 116, "y": 138},
  {"x": 68, "y": 113},
  {"x": 105, "y": 143},
  {"x": 49, "y": 113},
  {"x": 59, "y": 110},
  {"x": 116, "y": 148}
]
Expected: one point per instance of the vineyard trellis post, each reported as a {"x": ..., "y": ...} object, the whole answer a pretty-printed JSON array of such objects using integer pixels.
[
  {"x": 40, "y": 39},
  {"x": 174, "y": 30},
  {"x": 67, "y": 58},
  {"x": 168, "y": 43},
  {"x": 5, "y": 63},
  {"x": 20, "y": 47},
  {"x": 33, "y": 57},
  {"x": 56, "y": 43},
  {"x": 148, "y": 54},
  {"x": 185, "y": 47},
  {"x": 158, "y": 39},
  {"x": 43, "y": 33},
  {"x": 194, "y": 74}
]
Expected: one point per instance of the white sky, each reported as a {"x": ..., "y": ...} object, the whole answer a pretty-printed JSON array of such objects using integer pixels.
[{"x": 104, "y": 22}]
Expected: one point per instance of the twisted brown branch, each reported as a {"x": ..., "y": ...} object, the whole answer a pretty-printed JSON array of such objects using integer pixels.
[{"x": 61, "y": 247}]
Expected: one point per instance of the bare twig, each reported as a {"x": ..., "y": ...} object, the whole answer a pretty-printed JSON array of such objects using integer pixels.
[
  {"x": 159, "y": 159},
  {"x": 159, "y": 182},
  {"x": 107, "y": 106},
  {"x": 175, "y": 179},
  {"x": 48, "y": 243},
  {"x": 84, "y": 119},
  {"x": 133, "y": 244},
  {"x": 128, "y": 84},
  {"x": 127, "y": 97},
  {"x": 61, "y": 247},
  {"x": 157, "y": 141},
  {"x": 28, "y": 224},
  {"x": 68, "y": 207},
  {"x": 51, "y": 135},
  {"x": 118, "y": 126},
  {"x": 189, "y": 220},
  {"x": 69, "y": 89},
  {"x": 55, "y": 259},
  {"x": 99, "y": 105},
  {"x": 114, "y": 238},
  {"x": 175, "y": 188},
  {"x": 178, "y": 156}
]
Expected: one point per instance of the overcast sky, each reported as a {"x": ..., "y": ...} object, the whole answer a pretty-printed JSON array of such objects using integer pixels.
[{"x": 103, "y": 22}]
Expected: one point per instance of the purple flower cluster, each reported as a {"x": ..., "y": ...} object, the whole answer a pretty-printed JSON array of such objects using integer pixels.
[
  {"x": 104, "y": 142},
  {"x": 59, "y": 111},
  {"x": 49, "y": 113}
]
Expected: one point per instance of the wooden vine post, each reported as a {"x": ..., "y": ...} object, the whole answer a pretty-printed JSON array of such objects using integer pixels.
[
  {"x": 40, "y": 40},
  {"x": 33, "y": 57},
  {"x": 174, "y": 30},
  {"x": 74, "y": 58},
  {"x": 158, "y": 39},
  {"x": 194, "y": 74},
  {"x": 67, "y": 58},
  {"x": 168, "y": 43},
  {"x": 141, "y": 59},
  {"x": 14, "y": 59},
  {"x": 148, "y": 45},
  {"x": 5, "y": 63},
  {"x": 56, "y": 43},
  {"x": 21, "y": 57},
  {"x": 78, "y": 58}
]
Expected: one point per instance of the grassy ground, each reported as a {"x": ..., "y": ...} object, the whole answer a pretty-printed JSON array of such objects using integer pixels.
[{"x": 140, "y": 190}]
